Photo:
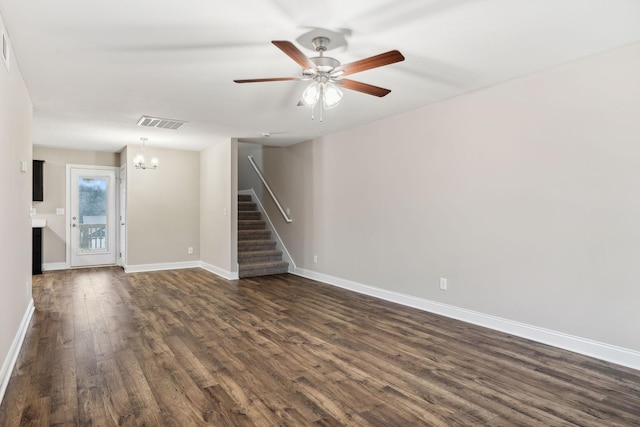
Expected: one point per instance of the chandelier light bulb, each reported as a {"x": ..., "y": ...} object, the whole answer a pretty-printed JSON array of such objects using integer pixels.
[{"x": 138, "y": 160}]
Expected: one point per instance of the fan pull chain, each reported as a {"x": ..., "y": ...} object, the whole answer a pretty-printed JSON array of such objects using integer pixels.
[{"x": 321, "y": 102}]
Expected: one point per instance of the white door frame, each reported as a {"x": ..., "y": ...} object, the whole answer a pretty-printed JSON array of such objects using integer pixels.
[
  {"x": 68, "y": 203},
  {"x": 122, "y": 215}
]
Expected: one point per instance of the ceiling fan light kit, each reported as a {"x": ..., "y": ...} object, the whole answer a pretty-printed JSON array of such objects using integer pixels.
[
  {"x": 326, "y": 73},
  {"x": 321, "y": 89}
]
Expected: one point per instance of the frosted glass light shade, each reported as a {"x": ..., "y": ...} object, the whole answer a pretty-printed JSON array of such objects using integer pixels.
[
  {"x": 311, "y": 94},
  {"x": 138, "y": 161},
  {"x": 331, "y": 96}
]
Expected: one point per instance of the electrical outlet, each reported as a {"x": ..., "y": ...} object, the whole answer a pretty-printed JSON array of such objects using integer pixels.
[
  {"x": 190, "y": 250},
  {"x": 443, "y": 283},
  {"x": 315, "y": 259}
]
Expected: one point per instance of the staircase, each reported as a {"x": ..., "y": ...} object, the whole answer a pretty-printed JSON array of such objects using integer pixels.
[{"x": 257, "y": 253}]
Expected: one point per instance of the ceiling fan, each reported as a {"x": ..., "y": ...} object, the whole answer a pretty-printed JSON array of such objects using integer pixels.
[{"x": 327, "y": 74}]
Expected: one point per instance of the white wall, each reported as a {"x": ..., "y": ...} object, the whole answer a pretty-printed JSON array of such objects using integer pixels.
[
  {"x": 525, "y": 195},
  {"x": 15, "y": 223},
  {"x": 163, "y": 209},
  {"x": 218, "y": 204}
]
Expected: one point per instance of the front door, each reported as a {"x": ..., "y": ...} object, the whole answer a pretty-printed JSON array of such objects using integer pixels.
[{"x": 92, "y": 215}]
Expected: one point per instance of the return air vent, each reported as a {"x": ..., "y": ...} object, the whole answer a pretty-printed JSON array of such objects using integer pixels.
[{"x": 156, "y": 122}]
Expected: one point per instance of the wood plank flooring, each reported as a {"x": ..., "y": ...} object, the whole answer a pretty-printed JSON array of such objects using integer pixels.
[{"x": 186, "y": 348}]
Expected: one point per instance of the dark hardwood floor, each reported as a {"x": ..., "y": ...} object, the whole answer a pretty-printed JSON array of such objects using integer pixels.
[{"x": 183, "y": 348}]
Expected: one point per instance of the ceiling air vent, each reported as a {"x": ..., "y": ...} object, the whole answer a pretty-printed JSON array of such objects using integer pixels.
[{"x": 156, "y": 122}]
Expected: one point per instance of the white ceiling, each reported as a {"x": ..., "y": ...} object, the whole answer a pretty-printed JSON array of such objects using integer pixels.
[{"x": 94, "y": 67}]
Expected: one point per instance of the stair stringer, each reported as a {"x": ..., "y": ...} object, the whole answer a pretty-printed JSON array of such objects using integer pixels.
[{"x": 286, "y": 256}]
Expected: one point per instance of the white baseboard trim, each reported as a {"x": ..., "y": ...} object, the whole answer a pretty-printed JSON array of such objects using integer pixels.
[
  {"x": 14, "y": 350},
  {"x": 51, "y": 266},
  {"x": 610, "y": 353},
  {"x": 139, "y": 268},
  {"x": 229, "y": 275}
]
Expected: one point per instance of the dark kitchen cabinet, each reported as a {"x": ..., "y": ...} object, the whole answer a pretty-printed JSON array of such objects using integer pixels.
[
  {"x": 38, "y": 180},
  {"x": 36, "y": 251}
]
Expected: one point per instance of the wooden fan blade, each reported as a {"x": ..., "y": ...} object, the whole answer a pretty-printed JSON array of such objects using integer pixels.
[
  {"x": 363, "y": 87},
  {"x": 274, "y": 79},
  {"x": 294, "y": 53},
  {"x": 368, "y": 63}
]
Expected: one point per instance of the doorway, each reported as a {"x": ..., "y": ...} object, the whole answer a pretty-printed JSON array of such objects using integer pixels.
[
  {"x": 91, "y": 215},
  {"x": 122, "y": 256}
]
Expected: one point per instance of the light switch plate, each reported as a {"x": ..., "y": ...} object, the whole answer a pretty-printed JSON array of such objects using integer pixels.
[{"x": 59, "y": 211}]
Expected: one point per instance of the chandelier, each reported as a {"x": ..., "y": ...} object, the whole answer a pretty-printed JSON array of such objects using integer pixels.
[{"x": 138, "y": 161}]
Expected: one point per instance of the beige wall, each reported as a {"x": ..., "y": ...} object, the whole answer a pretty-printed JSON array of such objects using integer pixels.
[
  {"x": 55, "y": 193},
  {"x": 524, "y": 195},
  {"x": 15, "y": 196},
  {"x": 247, "y": 177},
  {"x": 217, "y": 194},
  {"x": 163, "y": 208}
]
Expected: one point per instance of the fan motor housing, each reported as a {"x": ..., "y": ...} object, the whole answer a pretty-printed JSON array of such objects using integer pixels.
[{"x": 325, "y": 63}]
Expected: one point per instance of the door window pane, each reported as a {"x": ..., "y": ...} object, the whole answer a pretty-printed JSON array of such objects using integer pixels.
[{"x": 92, "y": 218}]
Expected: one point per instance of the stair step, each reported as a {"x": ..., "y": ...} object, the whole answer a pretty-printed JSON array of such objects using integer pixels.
[
  {"x": 252, "y": 257},
  {"x": 246, "y": 206},
  {"x": 254, "y": 234},
  {"x": 257, "y": 253},
  {"x": 263, "y": 268},
  {"x": 255, "y": 245},
  {"x": 249, "y": 215},
  {"x": 251, "y": 224}
]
